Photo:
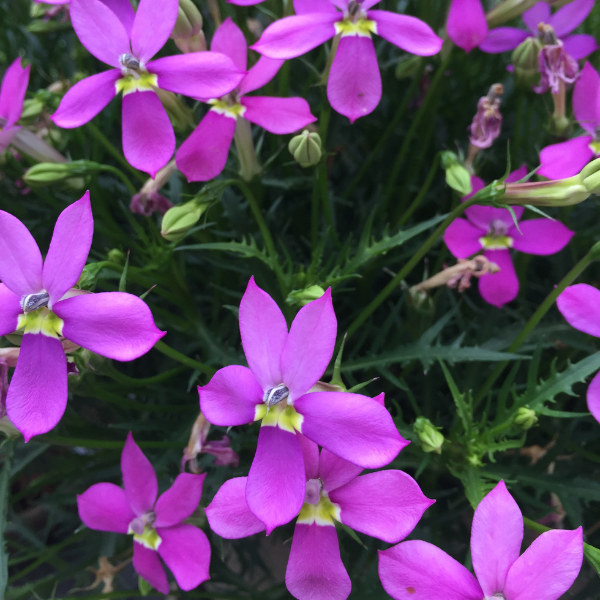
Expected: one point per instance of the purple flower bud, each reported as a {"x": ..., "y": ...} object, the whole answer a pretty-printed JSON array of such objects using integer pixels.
[
  {"x": 147, "y": 204},
  {"x": 487, "y": 123}
]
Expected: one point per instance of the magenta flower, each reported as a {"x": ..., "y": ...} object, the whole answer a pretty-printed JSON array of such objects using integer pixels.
[
  {"x": 156, "y": 524},
  {"x": 12, "y": 95},
  {"x": 354, "y": 85},
  {"x": 493, "y": 231},
  {"x": 204, "y": 154},
  {"x": 466, "y": 25},
  {"x": 563, "y": 22},
  {"x": 283, "y": 369},
  {"x": 579, "y": 306},
  {"x": 127, "y": 43},
  {"x": 37, "y": 297},
  {"x": 559, "y": 161},
  {"x": 418, "y": 570},
  {"x": 386, "y": 505}
]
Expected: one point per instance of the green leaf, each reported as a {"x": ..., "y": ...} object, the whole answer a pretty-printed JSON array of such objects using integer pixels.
[
  {"x": 561, "y": 414},
  {"x": 123, "y": 280},
  {"x": 464, "y": 407},
  {"x": 144, "y": 587},
  {"x": 593, "y": 555}
]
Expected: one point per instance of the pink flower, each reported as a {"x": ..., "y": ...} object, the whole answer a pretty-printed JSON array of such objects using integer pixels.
[
  {"x": 487, "y": 122},
  {"x": 579, "y": 306},
  {"x": 12, "y": 95},
  {"x": 283, "y": 368},
  {"x": 563, "y": 22},
  {"x": 204, "y": 154},
  {"x": 466, "y": 25},
  {"x": 37, "y": 295},
  {"x": 555, "y": 66},
  {"x": 386, "y": 505},
  {"x": 417, "y": 570},
  {"x": 559, "y": 161},
  {"x": 354, "y": 85},
  {"x": 156, "y": 524},
  {"x": 493, "y": 231},
  {"x": 127, "y": 42}
]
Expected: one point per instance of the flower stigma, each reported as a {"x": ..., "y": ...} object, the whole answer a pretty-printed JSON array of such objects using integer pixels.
[
  {"x": 32, "y": 302},
  {"x": 276, "y": 395},
  {"x": 317, "y": 507}
]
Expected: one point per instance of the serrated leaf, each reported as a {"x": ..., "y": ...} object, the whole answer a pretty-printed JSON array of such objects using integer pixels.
[{"x": 464, "y": 408}]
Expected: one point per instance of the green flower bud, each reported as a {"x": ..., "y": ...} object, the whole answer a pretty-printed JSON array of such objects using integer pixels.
[
  {"x": 47, "y": 173},
  {"x": 188, "y": 34},
  {"x": 306, "y": 148},
  {"x": 525, "y": 61},
  {"x": 303, "y": 297},
  {"x": 178, "y": 220},
  {"x": 429, "y": 436},
  {"x": 457, "y": 176},
  {"x": 558, "y": 192},
  {"x": 525, "y": 418},
  {"x": 116, "y": 256},
  {"x": 89, "y": 275},
  {"x": 507, "y": 10}
]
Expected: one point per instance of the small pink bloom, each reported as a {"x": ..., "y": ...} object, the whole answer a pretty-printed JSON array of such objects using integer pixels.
[
  {"x": 418, "y": 570},
  {"x": 156, "y": 524},
  {"x": 487, "y": 123},
  {"x": 12, "y": 96}
]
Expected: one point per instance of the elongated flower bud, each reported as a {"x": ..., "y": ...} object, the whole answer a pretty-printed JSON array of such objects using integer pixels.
[
  {"x": 526, "y": 62},
  {"x": 457, "y": 176},
  {"x": 47, "y": 173},
  {"x": 429, "y": 436},
  {"x": 188, "y": 34},
  {"x": 303, "y": 297},
  {"x": 306, "y": 148},
  {"x": 178, "y": 220},
  {"x": 507, "y": 10}
]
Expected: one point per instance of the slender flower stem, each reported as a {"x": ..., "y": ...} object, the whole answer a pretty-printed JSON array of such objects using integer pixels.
[
  {"x": 133, "y": 381},
  {"x": 183, "y": 359},
  {"x": 327, "y": 69},
  {"x": 249, "y": 167},
  {"x": 4, "y": 499},
  {"x": 536, "y": 318}
]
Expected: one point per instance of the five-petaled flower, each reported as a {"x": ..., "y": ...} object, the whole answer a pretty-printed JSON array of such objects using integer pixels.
[
  {"x": 38, "y": 298},
  {"x": 12, "y": 95},
  {"x": 354, "y": 84},
  {"x": 127, "y": 42},
  {"x": 386, "y": 505},
  {"x": 493, "y": 230},
  {"x": 204, "y": 154},
  {"x": 417, "y": 570},
  {"x": 283, "y": 369},
  {"x": 156, "y": 524}
]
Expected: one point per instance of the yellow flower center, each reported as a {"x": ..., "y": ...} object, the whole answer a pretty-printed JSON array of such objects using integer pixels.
[
  {"x": 43, "y": 321},
  {"x": 595, "y": 148},
  {"x": 222, "y": 107},
  {"x": 360, "y": 27},
  {"x": 500, "y": 242},
  {"x": 144, "y": 82},
  {"x": 281, "y": 415},
  {"x": 149, "y": 538},
  {"x": 321, "y": 513}
]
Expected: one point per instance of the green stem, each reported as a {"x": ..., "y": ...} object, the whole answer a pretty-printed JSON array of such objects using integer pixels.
[
  {"x": 183, "y": 359},
  {"x": 133, "y": 381},
  {"x": 132, "y": 189},
  {"x": 422, "y": 192},
  {"x": 410, "y": 265},
  {"x": 534, "y": 320},
  {"x": 4, "y": 498},
  {"x": 249, "y": 167}
]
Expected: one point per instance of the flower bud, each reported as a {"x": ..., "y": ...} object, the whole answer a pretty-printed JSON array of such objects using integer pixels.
[
  {"x": 89, "y": 276},
  {"x": 457, "y": 176},
  {"x": 116, "y": 256},
  {"x": 178, "y": 220},
  {"x": 188, "y": 33},
  {"x": 591, "y": 176},
  {"x": 558, "y": 192},
  {"x": 429, "y": 436},
  {"x": 526, "y": 62},
  {"x": 525, "y": 418},
  {"x": 48, "y": 173},
  {"x": 507, "y": 10},
  {"x": 306, "y": 148},
  {"x": 303, "y": 297}
]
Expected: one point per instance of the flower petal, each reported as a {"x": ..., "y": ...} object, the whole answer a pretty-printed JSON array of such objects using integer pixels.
[
  {"x": 335, "y": 471},
  {"x": 278, "y": 115},
  {"x": 580, "y": 45},
  {"x": 229, "y": 515},
  {"x": 386, "y": 505},
  {"x": 86, "y": 99},
  {"x": 548, "y": 568},
  {"x": 408, "y": 33},
  {"x": 148, "y": 137},
  {"x": 303, "y": 7},
  {"x": 354, "y": 85},
  {"x": 559, "y": 161},
  {"x": 579, "y": 306},
  {"x": 20, "y": 257},
  {"x": 204, "y": 154},
  {"x": 482, "y": 216},
  {"x": 418, "y": 570},
  {"x": 229, "y": 40},
  {"x": 231, "y": 396},
  {"x": 571, "y": 16},
  {"x": 541, "y": 236},
  {"x": 309, "y": 345},
  {"x": 10, "y": 309},
  {"x": 502, "y": 287},
  {"x": 198, "y": 74},
  {"x": 69, "y": 248},
  {"x": 466, "y": 24},
  {"x": 186, "y": 551},
  {"x": 276, "y": 484},
  {"x": 148, "y": 566},
  {"x": 310, "y": 452},
  {"x": 593, "y": 397},
  {"x": 496, "y": 537},
  {"x": 113, "y": 324},
  {"x": 104, "y": 507},
  {"x": 123, "y": 10},
  {"x": 503, "y": 39},
  {"x": 37, "y": 395},
  {"x": 139, "y": 478},
  {"x": 153, "y": 24},
  {"x": 586, "y": 99},
  {"x": 99, "y": 30},
  {"x": 352, "y": 426},
  {"x": 261, "y": 73},
  {"x": 293, "y": 36},
  {"x": 264, "y": 335},
  {"x": 180, "y": 500},
  {"x": 315, "y": 569},
  {"x": 538, "y": 13},
  {"x": 515, "y": 176},
  {"x": 462, "y": 238},
  {"x": 12, "y": 92}
]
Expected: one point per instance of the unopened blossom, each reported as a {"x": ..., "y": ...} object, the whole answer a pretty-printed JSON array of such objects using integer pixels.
[
  {"x": 493, "y": 231},
  {"x": 204, "y": 154},
  {"x": 127, "y": 43},
  {"x": 466, "y": 25},
  {"x": 12, "y": 96},
  {"x": 38, "y": 298},
  {"x": 354, "y": 84},
  {"x": 284, "y": 366},
  {"x": 487, "y": 123},
  {"x": 566, "y": 159},
  {"x": 386, "y": 505},
  {"x": 579, "y": 306},
  {"x": 417, "y": 570},
  {"x": 155, "y": 523}
]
